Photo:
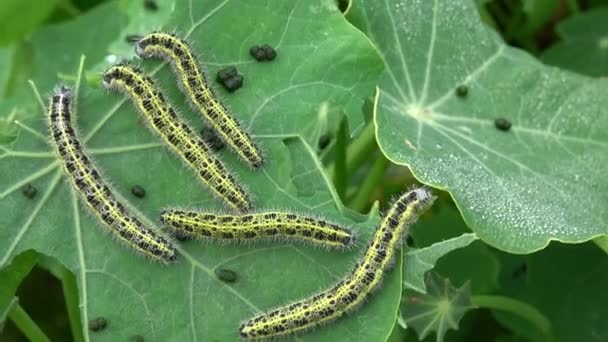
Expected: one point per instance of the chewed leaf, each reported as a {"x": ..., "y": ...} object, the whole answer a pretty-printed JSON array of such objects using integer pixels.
[
  {"x": 418, "y": 261},
  {"x": 520, "y": 146},
  {"x": 437, "y": 311},
  {"x": 280, "y": 103}
]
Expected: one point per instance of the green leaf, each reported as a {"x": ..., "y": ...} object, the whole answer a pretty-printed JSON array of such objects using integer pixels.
[
  {"x": 6, "y": 310},
  {"x": 11, "y": 277},
  {"x": 517, "y": 190},
  {"x": 280, "y": 103},
  {"x": 538, "y": 13},
  {"x": 6, "y": 59},
  {"x": 567, "y": 284},
  {"x": 473, "y": 263},
  {"x": 586, "y": 32},
  {"x": 418, "y": 261},
  {"x": 20, "y": 18},
  {"x": 438, "y": 310}
]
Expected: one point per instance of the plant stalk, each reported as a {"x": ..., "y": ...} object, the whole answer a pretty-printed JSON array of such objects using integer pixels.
[
  {"x": 26, "y": 325},
  {"x": 519, "y": 308},
  {"x": 375, "y": 177}
]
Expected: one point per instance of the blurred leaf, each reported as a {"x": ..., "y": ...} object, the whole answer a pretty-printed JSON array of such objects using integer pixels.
[
  {"x": 542, "y": 180},
  {"x": 20, "y": 18},
  {"x": 418, "y": 261},
  {"x": 6, "y": 311},
  {"x": 280, "y": 103},
  {"x": 590, "y": 24},
  {"x": 6, "y": 65},
  {"x": 10, "y": 278},
  {"x": 58, "y": 58},
  {"x": 567, "y": 284},
  {"x": 473, "y": 263},
  {"x": 584, "y": 44},
  {"x": 538, "y": 13},
  {"x": 438, "y": 310}
]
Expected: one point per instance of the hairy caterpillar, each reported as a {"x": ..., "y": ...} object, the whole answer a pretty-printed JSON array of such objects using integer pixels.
[
  {"x": 195, "y": 84},
  {"x": 265, "y": 225},
  {"x": 93, "y": 190},
  {"x": 356, "y": 286},
  {"x": 151, "y": 102}
]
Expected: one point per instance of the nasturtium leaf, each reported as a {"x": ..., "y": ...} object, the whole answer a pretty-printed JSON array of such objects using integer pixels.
[
  {"x": 438, "y": 310},
  {"x": 474, "y": 263},
  {"x": 586, "y": 32},
  {"x": 20, "y": 18},
  {"x": 418, "y": 261},
  {"x": 447, "y": 79},
  {"x": 10, "y": 278},
  {"x": 318, "y": 54},
  {"x": 565, "y": 283},
  {"x": 537, "y": 14}
]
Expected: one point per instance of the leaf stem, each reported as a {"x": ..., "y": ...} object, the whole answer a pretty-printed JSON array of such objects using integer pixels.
[
  {"x": 573, "y": 6},
  {"x": 340, "y": 174},
  {"x": 26, "y": 325},
  {"x": 70, "y": 294},
  {"x": 69, "y": 8},
  {"x": 374, "y": 177},
  {"x": 358, "y": 151},
  {"x": 519, "y": 308}
]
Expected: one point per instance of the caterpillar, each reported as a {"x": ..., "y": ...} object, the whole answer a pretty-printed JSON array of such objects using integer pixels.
[
  {"x": 88, "y": 182},
  {"x": 351, "y": 291},
  {"x": 252, "y": 227},
  {"x": 163, "y": 119},
  {"x": 197, "y": 88}
]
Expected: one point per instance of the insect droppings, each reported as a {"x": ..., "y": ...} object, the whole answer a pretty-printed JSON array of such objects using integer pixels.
[
  {"x": 29, "y": 191},
  {"x": 226, "y": 73},
  {"x": 502, "y": 124},
  {"x": 138, "y": 191},
  {"x": 226, "y": 275},
  {"x": 98, "y": 324},
  {"x": 233, "y": 83},
  {"x": 324, "y": 140},
  {"x": 151, "y": 5},
  {"x": 137, "y": 338},
  {"x": 462, "y": 91},
  {"x": 263, "y": 53},
  {"x": 213, "y": 141}
]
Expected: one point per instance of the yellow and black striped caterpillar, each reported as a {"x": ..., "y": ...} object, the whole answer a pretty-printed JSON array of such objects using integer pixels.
[
  {"x": 258, "y": 226},
  {"x": 88, "y": 182},
  {"x": 195, "y": 84},
  {"x": 351, "y": 291},
  {"x": 151, "y": 102}
]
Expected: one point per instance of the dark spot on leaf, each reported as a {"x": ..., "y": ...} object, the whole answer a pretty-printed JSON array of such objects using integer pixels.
[
  {"x": 520, "y": 270},
  {"x": 98, "y": 324},
  {"x": 29, "y": 191},
  {"x": 502, "y": 124},
  {"x": 151, "y": 5},
  {"x": 226, "y": 275},
  {"x": 226, "y": 73},
  {"x": 212, "y": 140},
  {"x": 462, "y": 91},
  {"x": 138, "y": 191},
  {"x": 324, "y": 140},
  {"x": 233, "y": 83},
  {"x": 263, "y": 53},
  {"x": 137, "y": 338}
]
